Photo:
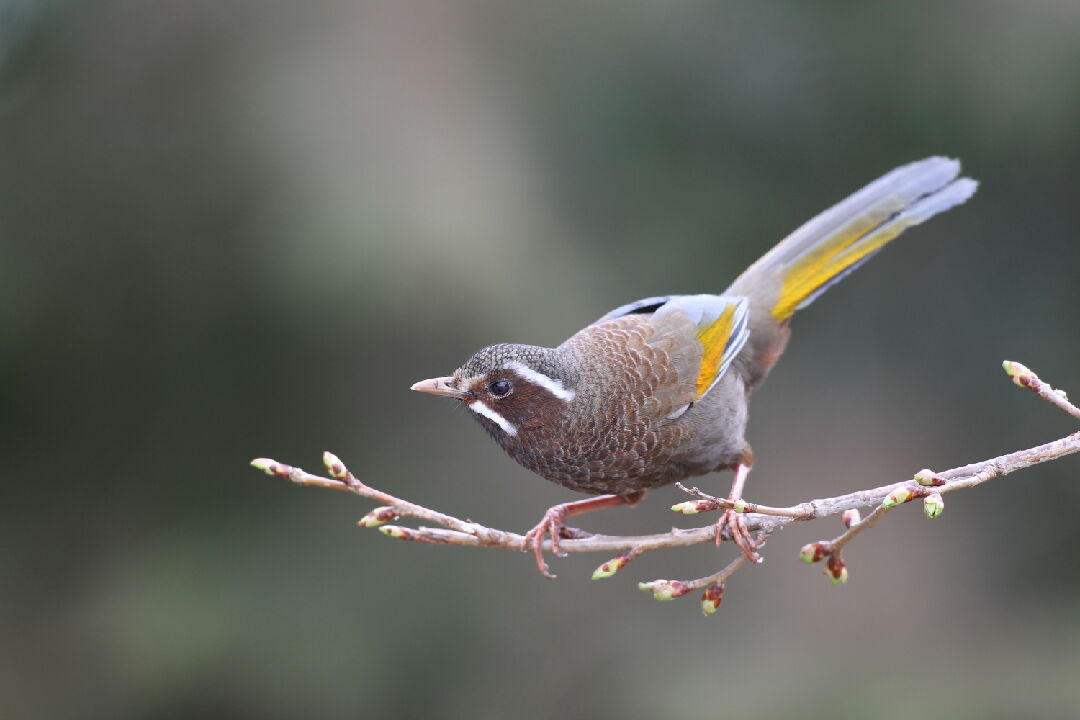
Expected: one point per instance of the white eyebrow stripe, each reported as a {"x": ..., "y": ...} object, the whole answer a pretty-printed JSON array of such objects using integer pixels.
[
  {"x": 551, "y": 385},
  {"x": 480, "y": 408}
]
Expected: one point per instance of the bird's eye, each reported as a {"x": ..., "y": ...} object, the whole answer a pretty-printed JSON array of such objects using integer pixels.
[{"x": 500, "y": 388}]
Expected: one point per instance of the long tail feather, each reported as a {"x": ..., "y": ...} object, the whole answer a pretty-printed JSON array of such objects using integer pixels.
[{"x": 828, "y": 247}]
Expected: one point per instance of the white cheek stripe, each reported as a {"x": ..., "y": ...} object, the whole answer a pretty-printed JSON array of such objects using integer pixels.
[
  {"x": 478, "y": 407},
  {"x": 552, "y": 386}
]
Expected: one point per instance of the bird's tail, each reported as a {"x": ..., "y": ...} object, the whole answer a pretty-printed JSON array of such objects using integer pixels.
[{"x": 808, "y": 261}]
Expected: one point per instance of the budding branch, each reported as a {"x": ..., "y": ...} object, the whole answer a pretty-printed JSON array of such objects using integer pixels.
[{"x": 761, "y": 520}]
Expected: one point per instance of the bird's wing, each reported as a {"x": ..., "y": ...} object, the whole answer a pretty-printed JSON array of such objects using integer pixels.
[
  {"x": 715, "y": 324},
  {"x": 696, "y": 335},
  {"x": 641, "y": 307}
]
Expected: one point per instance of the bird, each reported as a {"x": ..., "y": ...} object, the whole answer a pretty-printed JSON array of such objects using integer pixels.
[{"x": 657, "y": 390}]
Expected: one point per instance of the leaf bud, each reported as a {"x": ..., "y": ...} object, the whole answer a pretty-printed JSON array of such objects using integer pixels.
[
  {"x": 814, "y": 552},
  {"x": 711, "y": 598},
  {"x": 1019, "y": 373},
  {"x": 396, "y": 531},
  {"x": 613, "y": 565},
  {"x": 378, "y": 516},
  {"x": 929, "y": 478},
  {"x": 933, "y": 505},
  {"x": 334, "y": 466},
  {"x": 899, "y": 496},
  {"x": 836, "y": 570},
  {"x": 664, "y": 590},
  {"x": 693, "y": 507}
]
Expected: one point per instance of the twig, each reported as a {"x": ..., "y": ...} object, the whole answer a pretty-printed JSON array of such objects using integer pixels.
[
  {"x": 1024, "y": 377},
  {"x": 763, "y": 520}
]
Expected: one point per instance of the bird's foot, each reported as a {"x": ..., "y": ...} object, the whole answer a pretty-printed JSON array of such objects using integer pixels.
[
  {"x": 736, "y": 526},
  {"x": 551, "y": 524},
  {"x": 735, "y": 522}
]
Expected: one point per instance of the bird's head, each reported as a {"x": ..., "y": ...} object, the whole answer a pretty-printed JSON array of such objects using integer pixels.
[{"x": 513, "y": 390}]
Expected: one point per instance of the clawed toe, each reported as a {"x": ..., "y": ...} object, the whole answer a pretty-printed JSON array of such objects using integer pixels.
[
  {"x": 735, "y": 522},
  {"x": 736, "y": 525},
  {"x": 551, "y": 524}
]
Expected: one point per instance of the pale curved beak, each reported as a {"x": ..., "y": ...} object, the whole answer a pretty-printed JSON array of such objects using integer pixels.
[{"x": 443, "y": 386}]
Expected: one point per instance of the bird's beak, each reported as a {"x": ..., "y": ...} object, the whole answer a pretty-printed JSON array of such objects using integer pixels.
[{"x": 443, "y": 386}]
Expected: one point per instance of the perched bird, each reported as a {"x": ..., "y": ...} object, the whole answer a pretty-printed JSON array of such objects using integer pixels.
[{"x": 656, "y": 391}]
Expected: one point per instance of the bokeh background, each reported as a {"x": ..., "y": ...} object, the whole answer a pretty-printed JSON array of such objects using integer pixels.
[{"x": 238, "y": 229}]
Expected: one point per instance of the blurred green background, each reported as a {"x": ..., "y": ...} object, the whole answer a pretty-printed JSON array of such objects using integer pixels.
[{"x": 236, "y": 229}]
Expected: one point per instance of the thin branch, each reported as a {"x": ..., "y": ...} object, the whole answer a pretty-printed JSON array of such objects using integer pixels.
[{"x": 763, "y": 520}]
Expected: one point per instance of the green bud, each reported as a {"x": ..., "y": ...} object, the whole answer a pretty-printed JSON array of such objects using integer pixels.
[
  {"x": 739, "y": 506},
  {"x": 665, "y": 590},
  {"x": 814, "y": 552},
  {"x": 1018, "y": 373},
  {"x": 378, "y": 516},
  {"x": 396, "y": 531},
  {"x": 693, "y": 507},
  {"x": 933, "y": 505},
  {"x": 606, "y": 570},
  {"x": 270, "y": 467},
  {"x": 711, "y": 598},
  {"x": 836, "y": 570},
  {"x": 929, "y": 478},
  {"x": 613, "y": 565},
  {"x": 899, "y": 496},
  {"x": 334, "y": 466}
]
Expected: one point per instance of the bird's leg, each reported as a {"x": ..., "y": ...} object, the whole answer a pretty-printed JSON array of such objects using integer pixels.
[
  {"x": 552, "y": 523},
  {"x": 735, "y": 521}
]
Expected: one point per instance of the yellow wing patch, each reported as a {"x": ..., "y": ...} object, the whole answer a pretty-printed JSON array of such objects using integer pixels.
[
  {"x": 815, "y": 269},
  {"x": 714, "y": 340}
]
